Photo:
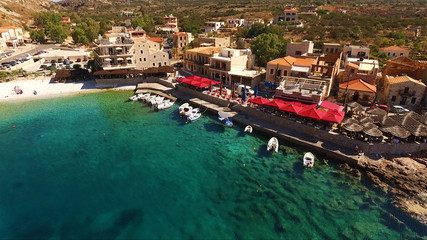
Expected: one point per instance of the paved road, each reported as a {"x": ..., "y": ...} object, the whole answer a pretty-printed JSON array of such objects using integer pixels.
[{"x": 29, "y": 48}]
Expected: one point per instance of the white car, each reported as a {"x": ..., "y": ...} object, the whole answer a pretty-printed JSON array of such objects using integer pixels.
[{"x": 398, "y": 109}]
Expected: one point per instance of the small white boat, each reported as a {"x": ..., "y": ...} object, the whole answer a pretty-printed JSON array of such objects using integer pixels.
[
  {"x": 273, "y": 144},
  {"x": 194, "y": 115},
  {"x": 133, "y": 98},
  {"x": 144, "y": 97},
  {"x": 248, "y": 129},
  {"x": 308, "y": 160},
  {"x": 184, "y": 108},
  {"x": 157, "y": 100},
  {"x": 192, "y": 111},
  {"x": 165, "y": 104}
]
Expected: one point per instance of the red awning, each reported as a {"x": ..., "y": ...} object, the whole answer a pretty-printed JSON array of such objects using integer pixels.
[
  {"x": 259, "y": 100},
  {"x": 295, "y": 108},
  {"x": 333, "y": 116},
  {"x": 277, "y": 103},
  {"x": 197, "y": 81},
  {"x": 312, "y": 113},
  {"x": 331, "y": 106}
]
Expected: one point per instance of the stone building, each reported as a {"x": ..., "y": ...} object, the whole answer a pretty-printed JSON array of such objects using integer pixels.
[
  {"x": 394, "y": 51},
  {"x": 181, "y": 39},
  {"x": 289, "y": 15},
  {"x": 403, "y": 90},
  {"x": 204, "y": 41},
  {"x": 297, "y": 49},
  {"x": 197, "y": 60},
  {"x": 357, "y": 91},
  {"x": 332, "y": 48},
  {"x": 365, "y": 69}
]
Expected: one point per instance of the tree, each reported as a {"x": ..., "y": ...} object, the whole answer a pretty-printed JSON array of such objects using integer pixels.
[
  {"x": 266, "y": 48},
  {"x": 146, "y": 22},
  {"x": 241, "y": 44},
  {"x": 56, "y": 32},
  {"x": 38, "y": 36},
  {"x": 77, "y": 66},
  {"x": 79, "y": 36},
  {"x": 3, "y": 75},
  {"x": 256, "y": 29}
]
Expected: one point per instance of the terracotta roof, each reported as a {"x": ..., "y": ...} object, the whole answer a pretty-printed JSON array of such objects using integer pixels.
[
  {"x": 289, "y": 61},
  {"x": 180, "y": 34},
  {"x": 359, "y": 85},
  {"x": 402, "y": 79},
  {"x": 394, "y": 48},
  {"x": 10, "y": 27},
  {"x": 205, "y": 50},
  {"x": 290, "y": 10},
  {"x": 3, "y": 31},
  {"x": 156, "y": 39}
]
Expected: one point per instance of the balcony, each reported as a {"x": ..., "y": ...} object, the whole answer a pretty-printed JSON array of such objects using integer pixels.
[
  {"x": 118, "y": 66},
  {"x": 404, "y": 93}
]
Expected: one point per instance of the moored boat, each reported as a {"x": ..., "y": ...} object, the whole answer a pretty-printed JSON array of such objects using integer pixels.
[
  {"x": 248, "y": 129},
  {"x": 164, "y": 105},
  {"x": 194, "y": 115},
  {"x": 273, "y": 144},
  {"x": 224, "y": 117},
  {"x": 308, "y": 160},
  {"x": 184, "y": 108}
]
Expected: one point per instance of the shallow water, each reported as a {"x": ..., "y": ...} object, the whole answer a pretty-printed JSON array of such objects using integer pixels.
[{"x": 98, "y": 167}]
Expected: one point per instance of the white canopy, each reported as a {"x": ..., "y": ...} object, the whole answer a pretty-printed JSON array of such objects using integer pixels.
[
  {"x": 128, "y": 58},
  {"x": 225, "y": 114},
  {"x": 119, "y": 59},
  {"x": 366, "y": 67},
  {"x": 119, "y": 48},
  {"x": 107, "y": 59},
  {"x": 300, "y": 69}
]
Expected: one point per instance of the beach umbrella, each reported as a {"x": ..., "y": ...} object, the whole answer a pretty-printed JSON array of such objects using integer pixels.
[
  {"x": 366, "y": 120},
  {"x": 244, "y": 94},
  {"x": 358, "y": 109},
  {"x": 312, "y": 113},
  {"x": 350, "y": 120},
  {"x": 277, "y": 103},
  {"x": 332, "y": 116},
  {"x": 256, "y": 91},
  {"x": 259, "y": 100},
  {"x": 376, "y": 111},
  {"x": 331, "y": 105},
  {"x": 373, "y": 132},
  {"x": 369, "y": 125},
  {"x": 294, "y": 108},
  {"x": 353, "y": 127},
  {"x": 397, "y": 131},
  {"x": 354, "y": 104}
]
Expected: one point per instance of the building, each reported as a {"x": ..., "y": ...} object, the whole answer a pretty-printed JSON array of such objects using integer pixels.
[
  {"x": 197, "y": 60},
  {"x": 403, "y": 90},
  {"x": 352, "y": 51},
  {"x": 234, "y": 66},
  {"x": 296, "y": 49},
  {"x": 204, "y": 41},
  {"x": 304, "y": 79},
  {"x": 404, "y": 65},
  {"x": 213, "y": 26},
  {"x": 289, "y": 15},
  {"x": 3, "y": 40},
  {"x": 365, "y": 69},
  {"x": 332, "y": 48},
  {"x": 181, "y": 39},
  {"x": 394, "y": 51},
  {"x": 65, "y": 20},
  {"x": 357, "y": 91},
  {"x": 249, "y": 22},
  {"x": 148, "y": 51},
  {"x": 170, "y": 24},
  {"x": 14, "y": 36},
  {"x": 235, "y": 22}
]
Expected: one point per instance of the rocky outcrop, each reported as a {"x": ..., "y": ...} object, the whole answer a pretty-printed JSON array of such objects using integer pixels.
[
  {"x": 18, "y": 12},
  {"x": 405, "y": 178}
]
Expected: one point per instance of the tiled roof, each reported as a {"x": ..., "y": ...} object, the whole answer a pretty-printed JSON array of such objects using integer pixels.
[
  {"x": 289, "y": 61},
  {"x": 290, "y": 10},
  {"x": 10, "y": 27},
  {"x": 394, "y": 48},
  {"x": 402, "y": 79},
  {"x": 359, "y": 85},
  {"x": 180, "y": 34},
  {"x": 156, "y": 39}
]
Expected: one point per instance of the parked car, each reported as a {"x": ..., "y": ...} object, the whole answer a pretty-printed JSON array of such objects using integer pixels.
[
  {"x": 43, "y": 66},
  {"x": 60, "y": 60},
  {"x": 381, "y": 106},
  {"x": 398, "y": 109},
  {"x": 27, "y": 57},
  {"x": 178, "y": 65},
  {"x": 240, "y": 87}
]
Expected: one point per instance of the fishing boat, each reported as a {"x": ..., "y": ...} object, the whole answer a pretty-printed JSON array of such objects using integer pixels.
[
  {"x": 184, "y": 108},
  {"x": 248, "y": 129},
  {"x": 224, "y": 117},
  {"x": 308, "y": 160},
  {"x": 194, "y": 115},
  {"x": 273, "y": 144}
]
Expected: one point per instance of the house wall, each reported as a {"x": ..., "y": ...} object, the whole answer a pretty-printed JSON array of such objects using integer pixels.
[
  {"x": 216, "y": 42},
  {"x": 365, "y": 98},
  {"x": 356, "y": 51},
  {"x": 397, "y": 93},
  {"x": 297, "y": 49},
  {"x": 393, "y": 54},
  {"x": 331, "y": 48},
  {"x": 273, "y": 69},
  {"x": 351, "y": 73},
  {"x": 145, "y": 57}
]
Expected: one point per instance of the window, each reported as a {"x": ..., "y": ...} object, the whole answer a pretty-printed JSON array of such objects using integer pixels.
[
  {"x": 271, "y": 71},
  {"x": 352, "y": 71},
  {"x": 164, "y": 64},
  {"x": 327, "y": 50},
  {"x": 145, "y": 59},
  {"x": 279, "y": 72},
  {"x": 299, "y": 53},
  {"x": 140, "y": 59},
  {"x": 154, "y": 64},
  {"x": 142, "y": 52},
  {"x": 285, "y": 73},
  {"x": 394, "y": 54},
  {"x": 401, "y": 54},
  {"x": 413, "y": 100},
  {"x": 393, "y": 98},
  {"x": 389, "y": 54},
  {"x": 406, "y": 90},
  {"x": 154, "y": 56}
]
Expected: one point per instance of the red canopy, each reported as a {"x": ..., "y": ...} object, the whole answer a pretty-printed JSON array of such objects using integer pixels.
[
  {"x": 259, "y": 100},
  {"x": 197, "y": 81},
  {"x": 312, "y": 113},
  {"x": 331, "y": 106},
  {"x": 333, "y": 116},
  {"x": 295, "y": 108},
  {"x": 277, "y": 103}
]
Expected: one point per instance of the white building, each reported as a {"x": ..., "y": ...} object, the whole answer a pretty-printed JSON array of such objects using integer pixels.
[
  {"x": 213, "y": 26},
  {"x": 235, "y": 22}
]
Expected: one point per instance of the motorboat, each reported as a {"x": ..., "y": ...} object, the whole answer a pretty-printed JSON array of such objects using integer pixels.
[
  {"x": 133, "y": 98},
  {"x": 224, "y": 117},
  {"x": 184, "y": 108},
  {"x": 157, "y": 100},
  {"x": 248, "y": 129},
  {"x": 144, "y": 97},
  {"x": 165, "y": 104},
  {"x": 194, "y": 115},
  {"x": 273, "y": 144},
  {"x": 192, "y": 111},
  {"x": 308, "y": 160}
]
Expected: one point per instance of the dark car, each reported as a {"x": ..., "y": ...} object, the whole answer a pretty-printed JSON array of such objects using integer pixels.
[
  {"x": 12, "y": 63},
  {"x": 178, "y": 65},
  {"x": 60, "y": 60},
  {"x": 53, "y": 61},
  {"x": 43, "y": 66}
]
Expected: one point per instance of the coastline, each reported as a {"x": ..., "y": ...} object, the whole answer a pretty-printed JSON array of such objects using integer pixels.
[{"x": 47, "y": 90}]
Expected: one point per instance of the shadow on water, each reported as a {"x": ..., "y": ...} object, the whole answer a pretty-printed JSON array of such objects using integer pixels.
[
  {"x": 241, "y": 134},
  {"x": 214, "y": 127},
  {"x": 262, "y": 151},
  {"x": 298, "y": 168}
]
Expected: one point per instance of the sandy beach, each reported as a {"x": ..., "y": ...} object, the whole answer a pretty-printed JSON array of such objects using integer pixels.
[{"x": 45, "y": 89}]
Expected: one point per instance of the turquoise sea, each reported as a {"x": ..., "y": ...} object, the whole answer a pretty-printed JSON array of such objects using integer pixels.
[{"x": 98, "y": 167}]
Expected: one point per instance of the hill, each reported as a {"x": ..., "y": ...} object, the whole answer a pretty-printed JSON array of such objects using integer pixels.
[{"x": 19, "y": 12}]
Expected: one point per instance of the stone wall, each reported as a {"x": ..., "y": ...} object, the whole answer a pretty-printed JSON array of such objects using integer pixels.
[
  {"x": 313, "y": 135},
  {"x": 203, "y": 96}
]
